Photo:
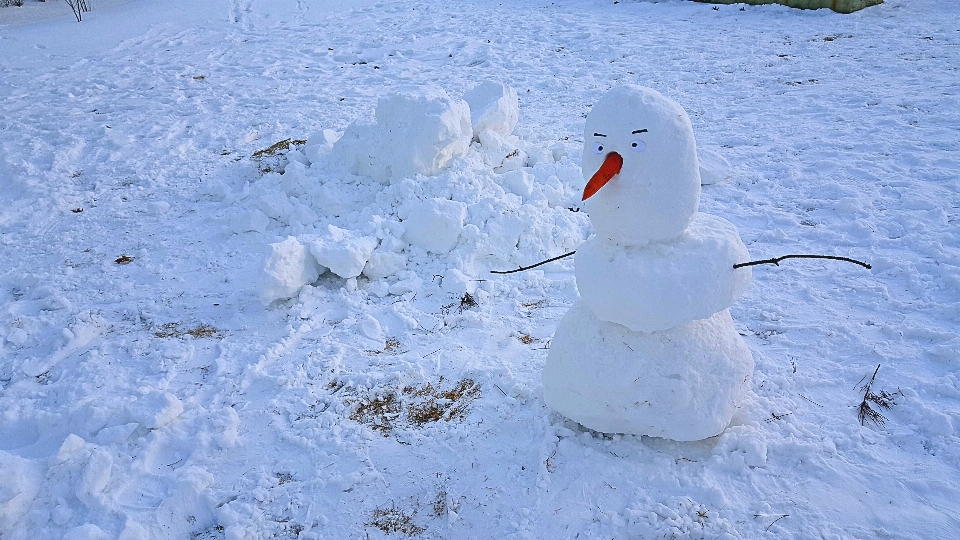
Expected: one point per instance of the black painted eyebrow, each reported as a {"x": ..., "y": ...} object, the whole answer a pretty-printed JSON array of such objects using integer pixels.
[
  {"x": 639, "y": 131},
  {"x": 599, "y": 135}
]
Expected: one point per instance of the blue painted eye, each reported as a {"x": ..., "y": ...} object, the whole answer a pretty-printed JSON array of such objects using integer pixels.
[
  {"x": 638, "y": 146},
  {"x": 598, "y": 148}
]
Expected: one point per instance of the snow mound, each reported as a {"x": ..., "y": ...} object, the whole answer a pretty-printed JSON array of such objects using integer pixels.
[{"x": 417, "y": 131}]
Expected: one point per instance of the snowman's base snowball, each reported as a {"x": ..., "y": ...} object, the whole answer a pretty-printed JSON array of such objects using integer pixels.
[
  {"x": 662, "y": 285},
  {"x": 683, "y": 383}
]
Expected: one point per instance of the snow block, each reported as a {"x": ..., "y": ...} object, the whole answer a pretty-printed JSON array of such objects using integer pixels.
[
  {"x": 417, "y": 131},
  {"x": 684, "y": 383},
  {"x": 384, "y": 264},
  {"x": 494, "y": 106},
  {"x": 662, "y": 285},
  {"x": 344, "y": 252},
  {"x": 18, "y": 489},
  {"x": 157, "y": 409},
  {"x": 520, "y": 182},
  {"x": 88, "y": 531},
  {"x": 435, "y": 224},
  {"x": 287, "y": 268}
]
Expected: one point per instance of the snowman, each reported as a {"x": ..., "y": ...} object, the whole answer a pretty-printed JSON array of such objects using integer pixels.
[{"x": 649, "y": 348}]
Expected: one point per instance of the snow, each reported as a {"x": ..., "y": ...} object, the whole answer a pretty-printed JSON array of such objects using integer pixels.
[
  {"x": 435, "y": 224},
  {"x": 417, "y": 131},
  {"x": 494, "y": 106},
  {"x": 344, "y": 252},
  {"x": 287, "y": 268},
  {"x": 664, "y": 284},
  {"x": 684, "y": 383},
  {"x": 300, "y": 420}
]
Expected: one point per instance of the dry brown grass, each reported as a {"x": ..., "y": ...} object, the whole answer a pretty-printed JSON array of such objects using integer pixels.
[
  {"x": 391, "y": 346},
  {"x": 384, "y": 410},
  {"x": 393, "y": 520},
  {"x": 278, "y": 147},
  {"x": 173, "y": 330},
  {"x": 273, "y": 157}
]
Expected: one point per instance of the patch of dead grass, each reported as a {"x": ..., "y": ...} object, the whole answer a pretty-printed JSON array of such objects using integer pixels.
[
  {"x": 394, "y": 520},
  {"x": 383, "y": 410},
  {"x": 173, "y": 330}
]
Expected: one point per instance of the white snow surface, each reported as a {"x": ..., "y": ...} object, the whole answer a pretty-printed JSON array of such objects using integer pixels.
[
  {"x": 362, "y": 405},
  {"x": 664, "y": 284},
  {"x": 684, "y": 383}
]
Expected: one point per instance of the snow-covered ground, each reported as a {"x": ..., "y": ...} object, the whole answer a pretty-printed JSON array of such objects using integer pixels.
[{"x": 147, "y": 392}]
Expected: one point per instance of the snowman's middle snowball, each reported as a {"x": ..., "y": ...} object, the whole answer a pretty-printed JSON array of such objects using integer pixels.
[{"x": 662, "y": 285}]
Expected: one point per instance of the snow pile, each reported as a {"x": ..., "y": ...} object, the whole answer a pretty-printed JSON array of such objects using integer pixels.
[{"x": 450, "y": 208}]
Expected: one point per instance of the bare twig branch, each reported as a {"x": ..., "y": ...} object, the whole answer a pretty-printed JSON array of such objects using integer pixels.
[
  {"x": 777, "y": 260},
  {"x": 522, "y": 268}
]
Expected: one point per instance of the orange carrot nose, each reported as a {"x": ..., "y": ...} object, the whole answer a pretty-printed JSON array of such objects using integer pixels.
[{"x": 609, "y": 169}]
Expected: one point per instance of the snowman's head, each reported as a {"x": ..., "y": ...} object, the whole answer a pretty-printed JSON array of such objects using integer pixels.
[{"x": 640, "y": 163}]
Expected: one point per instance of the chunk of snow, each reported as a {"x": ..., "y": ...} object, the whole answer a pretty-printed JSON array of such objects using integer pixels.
[
  {"x": 714, "y": 168},
  {"x": 88, "y": 531},
  {"x": 456, "y": 282},
  {"x": 384, "y": 264},
  {"x": 96, "y": 475},
  {"x": 320, "y": 144},
  {"x": 408, "y": 285},
  {"x": 252, "y": 220},
  {"x": 343, "y": 251},
  {"x": 288, "y": 267},
  {"x": 435, "y": 224},
  {"x": 19, "y": 486},
  {"x": 417, "y": 131},
  {"x": 156, "y": 409},
  {"x": 493, "y": 106},
  {"x": 519, "y": 182},
  {"x": 370, "y": 327}
]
